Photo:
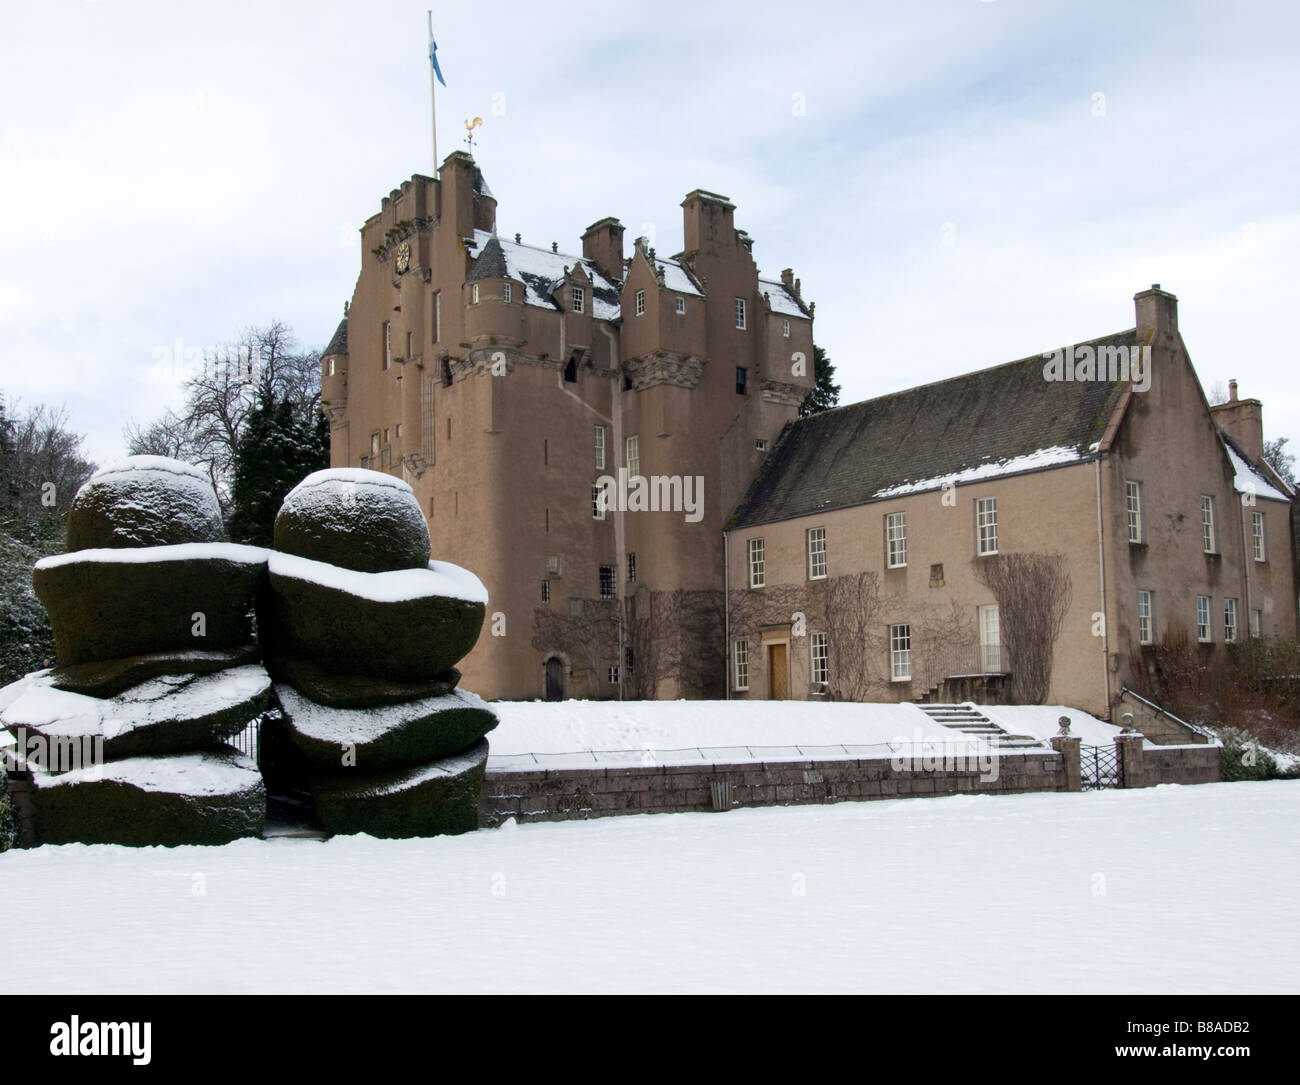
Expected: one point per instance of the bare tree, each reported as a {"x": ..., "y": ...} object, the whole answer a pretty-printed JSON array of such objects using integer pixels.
[
  {"x": 223, "y": 393},
  {"x": 851, "y": 612},
  {"x": 42, "y": 463},
  {"x": 1033, "y": 594}
]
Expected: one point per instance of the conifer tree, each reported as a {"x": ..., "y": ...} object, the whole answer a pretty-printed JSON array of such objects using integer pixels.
[{"x": 825, "y": 393}]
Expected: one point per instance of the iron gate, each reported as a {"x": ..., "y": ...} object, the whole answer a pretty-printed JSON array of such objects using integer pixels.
[{"x": 1100, "y": 767}]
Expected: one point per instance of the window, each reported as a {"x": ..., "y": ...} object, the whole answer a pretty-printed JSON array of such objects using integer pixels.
[
  {"x": 449, "y": 427},
  {"x": 1256, "y": 622},
  {"x": 1133, "y": 502},
  {"x": 607, "y": 582},
  {"x": 627, "y": 659},
  {"x": 388, "y": 344},
  {"x": 1203, "y": 632},
  {"x": 640, "y": 303},
  {"x": 817, "y": 648},
  {"x": 386, "y": 457},
  {"x": 756, "y": 563},
  {"x": 578, "y": 299},
  {"x": 597, "y": 502},
  {"x": 553, "y": 566},
  {"x": 742, "y": 380},
  {"x": 990, "y": 640},
  {"x": 740, "y": 313},
  {"x": 740, "y": 657},
  {"x": 1257, "y": 535},
  {"x": 633, "y": 456},
  {"x": 446, "y": 372},
  {"x": 817, "y": 553},
  {"x": 986, "y": 525},
  {"x": 680, "y": 306},
  {"x": 437, "y": 316},
  {"x": 571, "y": 370},
  {"x": 896, "y": 540},
  {"x": 473, "y": 294},
  {"x": 410, "y": 345},
  {"x": 385, "y": 435},
  {"x": 1146, "y": 618},
  {"x": 785, "y": 328},
  {"x": 1229, "y": 620},
  {"x": 613, "y": 676},
  {"x": 1207, "y": 525},
  {"x": 374, "y": 443},
  {"x": 546, "y": 591},
  {"x": 600, "y": 448},
  {"x": 331, "y": 367},
  {"x": 506, "y": 292},
  {"x": 760, "y": 445},
  {"x": 631, "y": 566},
  {"x": 900, "y": 653},
  {"x": 398, "y": 431}
]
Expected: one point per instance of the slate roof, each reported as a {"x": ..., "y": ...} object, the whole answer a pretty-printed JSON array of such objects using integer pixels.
[
  {"x": 991, "y": 423},
  {"x": 783, "y": 302},
  {"x": 339, "y": 344},
  {"x": 541, "y": 271}
]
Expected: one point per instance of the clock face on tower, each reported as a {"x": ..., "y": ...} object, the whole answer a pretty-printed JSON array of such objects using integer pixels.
[{"x": 403, "y": 257}]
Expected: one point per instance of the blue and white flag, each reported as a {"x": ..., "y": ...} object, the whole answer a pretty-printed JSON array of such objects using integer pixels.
[{"x": 433, "y": 53}]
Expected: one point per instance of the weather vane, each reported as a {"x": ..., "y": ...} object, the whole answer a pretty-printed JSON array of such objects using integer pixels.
[{"x": 469, "y": 131}]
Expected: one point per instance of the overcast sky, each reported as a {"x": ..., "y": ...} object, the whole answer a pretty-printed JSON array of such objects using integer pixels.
[{"x": 174, "y": 172}]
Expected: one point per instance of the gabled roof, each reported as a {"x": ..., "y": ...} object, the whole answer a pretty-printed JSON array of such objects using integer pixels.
[
  {"x": 783, "y": 302},
  {"x": 1252, "y": 478},
  {"x": 995, "y": 422},
  {"x": 541, "y": 271},
  {"x": 339, "y": 344}
]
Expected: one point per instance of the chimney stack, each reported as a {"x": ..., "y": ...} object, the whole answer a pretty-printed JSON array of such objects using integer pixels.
[
  {"x": 602, "y": 244},
  {"x": 1243, "y": 421},
  {"x": 1157, "y": 315}
]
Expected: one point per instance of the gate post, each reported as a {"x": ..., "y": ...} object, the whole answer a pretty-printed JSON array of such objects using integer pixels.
[
  {"x": 1069, "y": 748},
  {"x": 1128, "y": 752}
]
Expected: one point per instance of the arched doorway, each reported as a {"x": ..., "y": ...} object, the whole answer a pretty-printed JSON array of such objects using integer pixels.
[{"x": 554, "y": 679}]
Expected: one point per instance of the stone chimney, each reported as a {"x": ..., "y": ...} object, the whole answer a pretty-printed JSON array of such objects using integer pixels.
[
  {"x": 1243, "y": 421},
  {"x": 602, "y": 244},
  {"x": 708, "y": 222},
  {"x": 1157, "y": 315}
]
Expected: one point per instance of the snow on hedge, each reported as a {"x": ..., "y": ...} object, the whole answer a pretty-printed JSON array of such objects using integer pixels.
[
  {"x": 180, "y": 774},
  {"x": 148, "y": 555},
  {"x": 441, "y": 578}
]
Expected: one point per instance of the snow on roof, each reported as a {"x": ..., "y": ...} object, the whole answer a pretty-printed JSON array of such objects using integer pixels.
[
  {"x": 676, "y": 278},
  {"x": 782, "y": 300},
  {"x": 1249, "y": 480},
  {"x": 441, "y": 578},
  {"x": 1055, "y": 456},
  {"x": 541, "y": 271}
]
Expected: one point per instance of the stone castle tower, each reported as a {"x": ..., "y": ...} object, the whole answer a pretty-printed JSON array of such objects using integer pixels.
[{"x": 509, "y": 385}]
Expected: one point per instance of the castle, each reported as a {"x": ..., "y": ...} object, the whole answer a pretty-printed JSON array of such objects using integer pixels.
[
  {"x": 576, "y": 428},
  {"x": 612, "y": 444}
]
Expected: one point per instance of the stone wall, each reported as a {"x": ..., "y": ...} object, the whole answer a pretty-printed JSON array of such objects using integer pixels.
[
  {"x": 1146, "y": 767},
  {"x": 564, "y": 794}
]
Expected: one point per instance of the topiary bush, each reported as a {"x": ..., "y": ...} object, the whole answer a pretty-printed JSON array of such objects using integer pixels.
[{"x": 8, "y": 818}]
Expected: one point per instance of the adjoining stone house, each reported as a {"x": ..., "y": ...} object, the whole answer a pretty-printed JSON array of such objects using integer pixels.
[
  {"x": 886, "y": 549},
  {"x": 510, "y": 384}
]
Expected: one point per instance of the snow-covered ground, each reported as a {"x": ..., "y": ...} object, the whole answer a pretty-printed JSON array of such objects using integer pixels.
[
  {"x": 1172, "y": 889},
  {"x": 568, "y": 734}
]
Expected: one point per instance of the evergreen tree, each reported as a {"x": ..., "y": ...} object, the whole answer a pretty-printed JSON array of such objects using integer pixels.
[
  {"x": 282, "y": 442},
  {"x": 825, "y": 392}
]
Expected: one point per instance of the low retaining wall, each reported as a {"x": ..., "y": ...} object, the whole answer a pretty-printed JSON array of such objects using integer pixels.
[
  {"x": 567, "y": 794},
  {"x": 564, "y": 794}
]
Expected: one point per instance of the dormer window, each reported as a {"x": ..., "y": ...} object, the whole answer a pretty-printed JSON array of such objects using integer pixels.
[
  {"x": 640, "y": 303},
  {"x": 578, "y": 299},
  {"x": 680, "y": 305}
]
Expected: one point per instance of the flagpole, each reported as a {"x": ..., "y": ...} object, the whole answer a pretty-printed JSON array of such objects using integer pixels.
[{"x": 433, "y": 101}]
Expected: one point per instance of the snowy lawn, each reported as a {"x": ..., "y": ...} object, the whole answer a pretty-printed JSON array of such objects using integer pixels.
[{"x": 1186, "y": 889}]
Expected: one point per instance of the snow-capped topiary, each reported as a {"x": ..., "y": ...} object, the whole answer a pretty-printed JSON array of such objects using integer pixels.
[
  {"x": 355, "y": 519},
  {"x": 144, "y": 501}
]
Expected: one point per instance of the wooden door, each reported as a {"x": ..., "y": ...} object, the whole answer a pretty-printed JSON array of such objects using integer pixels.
[
  {"x": 778, "y": 674},
  {"x": 554, "y": 680}
]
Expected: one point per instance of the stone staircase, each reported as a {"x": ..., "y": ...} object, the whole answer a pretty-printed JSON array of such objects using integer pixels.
[{"x": 967, "y": 719}]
